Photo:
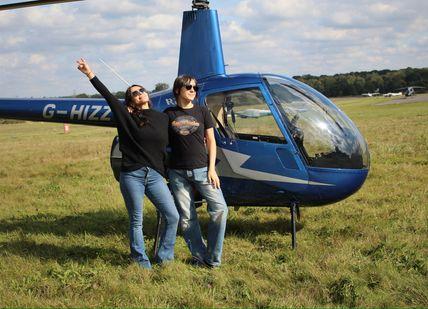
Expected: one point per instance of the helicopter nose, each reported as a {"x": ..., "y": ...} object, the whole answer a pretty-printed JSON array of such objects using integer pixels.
[{"x": 338, "y": 183}]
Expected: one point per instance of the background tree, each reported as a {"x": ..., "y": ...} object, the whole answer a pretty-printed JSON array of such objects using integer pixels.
[
  {"x": 120, "y": 94},
  {"x": 356, "y": 83},
  {"x": 160, "y": 87}
]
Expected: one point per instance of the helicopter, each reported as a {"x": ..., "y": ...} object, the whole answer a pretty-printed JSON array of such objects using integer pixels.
[
  {"x": 280, "y": 142},
  {"x": 404, "y": 91},
  {"x": 410, "y": 90}
]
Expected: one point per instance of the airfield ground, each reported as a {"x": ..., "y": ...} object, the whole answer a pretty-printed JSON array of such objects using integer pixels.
[
  {"x": 406, "y": 100},
  {"x": 63, "y": 228}
]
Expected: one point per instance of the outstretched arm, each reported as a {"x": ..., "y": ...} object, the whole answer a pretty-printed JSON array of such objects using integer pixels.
[{"x": 115, "y": 105}]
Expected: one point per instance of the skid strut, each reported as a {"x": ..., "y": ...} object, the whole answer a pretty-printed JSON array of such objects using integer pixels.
[
  {"x": 295, "y": 212},
  {"x": 158, "y": 229}
]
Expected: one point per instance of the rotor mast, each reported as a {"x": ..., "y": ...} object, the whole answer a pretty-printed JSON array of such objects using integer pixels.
[
  {"x": 201, "y": 50},
  {"x": 200, "y": 5}
]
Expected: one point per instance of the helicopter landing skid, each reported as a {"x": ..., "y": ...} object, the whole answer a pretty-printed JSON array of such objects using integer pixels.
[{"x": 294, "y": 211}]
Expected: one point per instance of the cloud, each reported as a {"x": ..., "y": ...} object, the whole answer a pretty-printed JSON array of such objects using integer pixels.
[
  {"x": 12, "y": 41},
  {"x": 331, "y": 36},
  {"x": 382, "y": 8},
  {"x": 37, "y": 59},
  {"x": 244, "y": 9},
  {"x": 141, "y": 39},
  {"x": 162, "y": 22}
]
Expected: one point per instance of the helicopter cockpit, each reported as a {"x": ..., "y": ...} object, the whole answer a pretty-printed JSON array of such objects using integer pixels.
[
  {"x": 324, "y": 134},
  {"x": 325, "y": 137}
]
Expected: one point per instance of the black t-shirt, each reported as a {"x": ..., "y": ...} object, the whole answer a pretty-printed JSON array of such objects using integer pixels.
[
  {"x": 140, "y": 146},
  {"x": 187, "y": 136}
]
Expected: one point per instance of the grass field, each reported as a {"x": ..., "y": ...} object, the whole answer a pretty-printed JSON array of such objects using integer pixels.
[{"x": 63, "y": 229}]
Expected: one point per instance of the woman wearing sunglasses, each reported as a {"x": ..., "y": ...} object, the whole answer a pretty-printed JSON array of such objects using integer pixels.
[
  {"x": 143, "y": 136},
  {"x": 191, "y": 167}
]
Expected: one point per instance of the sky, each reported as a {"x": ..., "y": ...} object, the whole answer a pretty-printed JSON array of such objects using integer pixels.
[{"x": 140, "y": 39}]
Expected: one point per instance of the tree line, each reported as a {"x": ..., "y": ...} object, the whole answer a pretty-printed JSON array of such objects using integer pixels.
[
  {"x": 356, "y": 83},
  {"x": 338, "y": 85}
]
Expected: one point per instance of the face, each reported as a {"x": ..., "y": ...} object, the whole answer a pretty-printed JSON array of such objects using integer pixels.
[
  {"x": 188, "y": 94},
  {"x": 139, "y": 96}
]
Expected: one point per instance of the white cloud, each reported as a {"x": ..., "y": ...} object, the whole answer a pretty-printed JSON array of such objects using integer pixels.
[
  {"x": 287, "y": 8},
  {"x": 9, "y": 61},
  {"x": 121, "y": 48},
  {"x": 159, "y": 22},
  {"x": 166, "y": 61},
  {"x": 6, "y": 19},
  {"x": 49, "y": 16},
  {"x": 141, "y": 38},
  {"x": 381, "y": 8},
  {"x": 37, "y": 59},
  {"x": 107, "y": 7},
  {"x": 244, "y": 9},
  {"x": 327, "y": 34},
  {"x": 12, "y": 41}
]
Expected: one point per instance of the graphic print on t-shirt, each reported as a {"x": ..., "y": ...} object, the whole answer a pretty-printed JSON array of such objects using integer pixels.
[{"x": 185, "y": 125}]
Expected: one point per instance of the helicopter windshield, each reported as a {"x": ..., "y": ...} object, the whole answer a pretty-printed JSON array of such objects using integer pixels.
[{"x": 324, "y": 134}]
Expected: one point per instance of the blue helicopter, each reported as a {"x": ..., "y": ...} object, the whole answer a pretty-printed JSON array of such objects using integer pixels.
[{"x": 280, "y": 142}]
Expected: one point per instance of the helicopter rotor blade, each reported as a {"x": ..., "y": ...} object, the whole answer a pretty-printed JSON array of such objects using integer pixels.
[{"x": 18, "y": 5}]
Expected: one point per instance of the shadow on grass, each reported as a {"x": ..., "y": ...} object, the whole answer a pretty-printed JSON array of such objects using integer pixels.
[
  {"x": 62, "y": 254},
  {"x": 252, "y": 227},
  {"x": 114, "y": 222},
  {"x": 110, "y": 222},
  {"x": 99, "y": 223}
]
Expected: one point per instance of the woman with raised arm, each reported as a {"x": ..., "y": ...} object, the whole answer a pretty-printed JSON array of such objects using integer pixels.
[{"x": 143, "y": 138}]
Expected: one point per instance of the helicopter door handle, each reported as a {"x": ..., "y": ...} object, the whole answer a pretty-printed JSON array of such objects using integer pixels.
[
  {"x": 230, "y": 141},
  {"x": 226, "y": 141}
]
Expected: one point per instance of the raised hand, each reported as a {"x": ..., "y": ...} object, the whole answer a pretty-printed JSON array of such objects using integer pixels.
[{"x": 84, "y": 67}]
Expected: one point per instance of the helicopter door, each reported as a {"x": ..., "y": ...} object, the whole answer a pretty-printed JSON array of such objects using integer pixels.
[{"x": 254, "y": 157}]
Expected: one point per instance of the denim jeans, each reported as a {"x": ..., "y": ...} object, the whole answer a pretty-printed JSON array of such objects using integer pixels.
[
  {"x": 182, "y": 183},
  {"x": 133, "y": 186}
]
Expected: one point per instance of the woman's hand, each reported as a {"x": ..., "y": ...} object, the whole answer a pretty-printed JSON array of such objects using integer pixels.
[
  {"x": 83, "y": 67},
  {"x": 213, "y": 178}
]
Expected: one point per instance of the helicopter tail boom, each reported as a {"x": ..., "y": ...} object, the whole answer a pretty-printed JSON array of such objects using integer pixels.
[{"x": 79, "y": 111}]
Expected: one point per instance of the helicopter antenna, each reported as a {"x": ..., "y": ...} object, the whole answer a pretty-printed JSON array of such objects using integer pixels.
[
  {"x": 200, "y": 5},
  {"x": 114, "y": 72}
]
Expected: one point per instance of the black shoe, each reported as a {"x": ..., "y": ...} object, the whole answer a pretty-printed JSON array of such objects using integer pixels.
[
  {"x": 211, "y": 266},
  {"x": 196, "y": 261}
]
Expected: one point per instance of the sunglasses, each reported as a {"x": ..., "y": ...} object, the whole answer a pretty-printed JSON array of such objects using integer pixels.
[
  {"x": 138, "y": 92},
  {"x": 188, "y": 87}
]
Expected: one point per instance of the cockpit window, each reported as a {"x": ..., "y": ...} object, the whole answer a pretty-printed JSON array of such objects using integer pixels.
[
  {"x": 325, "y": 136},
  {"x": 244, "y": 114}
]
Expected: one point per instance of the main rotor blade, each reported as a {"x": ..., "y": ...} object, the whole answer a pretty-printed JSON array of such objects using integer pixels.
[{"x": 18, "y": 5}]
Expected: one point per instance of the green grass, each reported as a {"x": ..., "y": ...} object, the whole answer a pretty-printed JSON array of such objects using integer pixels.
[{"x": 63, "y": 229}]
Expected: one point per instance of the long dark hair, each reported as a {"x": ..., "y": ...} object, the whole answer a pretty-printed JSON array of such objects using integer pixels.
[
  {"x": 181, "y": 81},
  {"x": 135, "y": 112}
]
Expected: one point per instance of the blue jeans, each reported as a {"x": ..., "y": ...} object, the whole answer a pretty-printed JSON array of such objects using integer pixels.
[
  {"x": 182, "y": 183},
  {"x": 133, "y": 186}
]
